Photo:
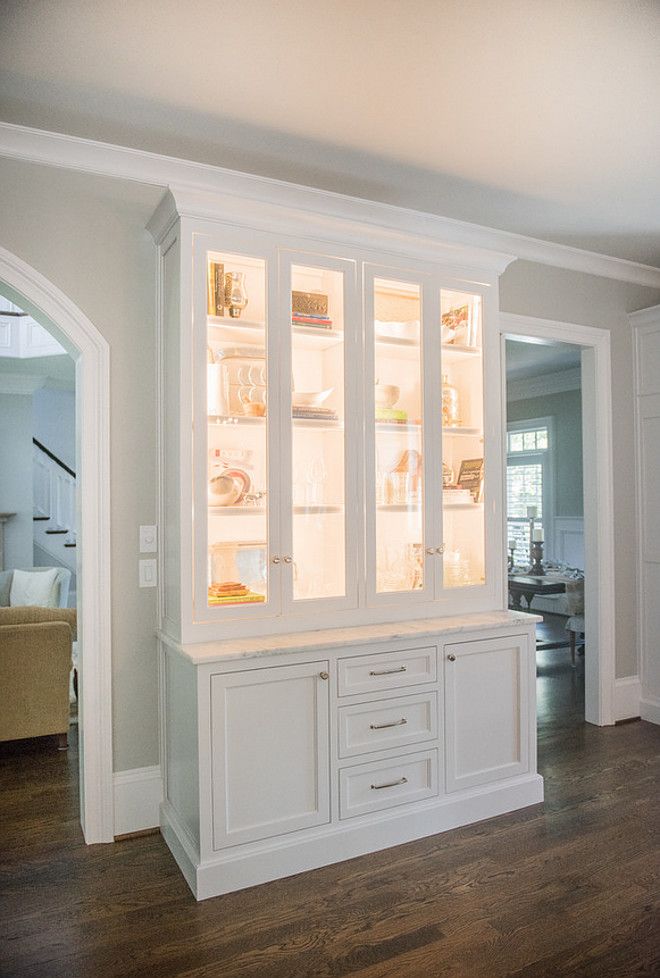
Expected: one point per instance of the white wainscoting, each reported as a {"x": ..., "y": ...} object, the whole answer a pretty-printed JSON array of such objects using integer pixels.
[
  {"x": 137, "y": 796},
  {"x": 568, "y": 540}
]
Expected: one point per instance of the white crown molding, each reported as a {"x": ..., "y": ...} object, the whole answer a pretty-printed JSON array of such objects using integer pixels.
[
  {"x": 73, "y": 152},
  {"x": 544, "y": 384},
  {"x": 645, "y": 317},
  {"x": 20, "y": 383}
]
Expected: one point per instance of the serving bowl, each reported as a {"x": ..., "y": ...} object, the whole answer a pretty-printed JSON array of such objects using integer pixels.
[
  {"x": 310, "y": 398},
  {"x": 386, "y": 395}
]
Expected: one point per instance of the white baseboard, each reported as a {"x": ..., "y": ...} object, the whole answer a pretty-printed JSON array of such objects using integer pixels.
[
  {"x": 240, "y": 866},
  {"x": 649, "y": 708},
  {"x": 627, "y": 695},
  {"x": 137, "y": 796}
]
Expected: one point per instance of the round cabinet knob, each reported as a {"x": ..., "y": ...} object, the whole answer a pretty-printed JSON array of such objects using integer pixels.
[
  {"x": 440, "y": 550},
  {"x": 451, "y": 657},
  {"x": 276, "y": 560},
  {"x": 288, "y": 560},
  {"x": 324, "y": 675},
  {"x": 430, "y": 551}
]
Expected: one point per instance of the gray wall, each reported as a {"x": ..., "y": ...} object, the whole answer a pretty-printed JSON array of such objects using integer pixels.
[
  {"x": 86, "y": 234},
  {"x": 55, "y": 423},
  {"x": 566, "y": 409},
  {"x": 530, "y": 289},
  {"x": 16, "y": 476}
]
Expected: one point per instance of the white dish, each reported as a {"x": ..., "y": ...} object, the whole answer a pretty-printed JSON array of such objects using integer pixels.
[
  {"x": 398, "y": 331},
  {"x": 310, "y": 398},
  {"x": 386, "y": 395}
]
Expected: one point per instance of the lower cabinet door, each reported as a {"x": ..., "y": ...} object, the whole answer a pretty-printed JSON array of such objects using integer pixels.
[
  {"x": 486, "y": 711},
  {"x": 269, "y": 752}
]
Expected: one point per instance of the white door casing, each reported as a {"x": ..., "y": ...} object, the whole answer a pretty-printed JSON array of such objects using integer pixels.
[
  {"x": 600, "y": 657},
  {"x": 52, "y": 309}
]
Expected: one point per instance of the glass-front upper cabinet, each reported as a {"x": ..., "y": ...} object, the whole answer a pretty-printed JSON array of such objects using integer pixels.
[
  {"x": 462, "y": 398},
  {"x": 240, "y": 522},
  {"x": 319, "y": 475},
  {"x": 282, "y": 344},
  {"x": 398, "y": 477}
]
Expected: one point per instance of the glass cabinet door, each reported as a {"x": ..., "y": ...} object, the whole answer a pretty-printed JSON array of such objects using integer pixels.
[
  {"x": 462, "y": 397},
  {"x": 234, "y": 531},
  {"x": 319, "y": 411},
  {"x": 397, "y": 472}
]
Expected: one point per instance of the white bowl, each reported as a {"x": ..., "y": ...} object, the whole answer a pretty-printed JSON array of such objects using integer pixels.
[
  {"x": 311, "y": 398},
  {"x": 386, "y": 395}
]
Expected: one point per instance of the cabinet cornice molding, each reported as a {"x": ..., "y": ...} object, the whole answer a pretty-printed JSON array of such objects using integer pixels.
[
  {"x": 125, "y": 163},
  {"x": 394, "y": 230}
]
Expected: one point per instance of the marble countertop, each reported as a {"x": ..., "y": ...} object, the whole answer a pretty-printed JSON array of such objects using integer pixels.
[{"x": 355, "y": 635}]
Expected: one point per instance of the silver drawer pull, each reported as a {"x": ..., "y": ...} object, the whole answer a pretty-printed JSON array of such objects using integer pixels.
[
  {"x": 387, "y": 672},
  {"x": 390, "y": 784},
  {"x": 383, "y": 726}
]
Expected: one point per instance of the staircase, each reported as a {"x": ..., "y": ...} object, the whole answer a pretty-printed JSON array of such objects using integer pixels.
[{"x": 54, "y": 517}]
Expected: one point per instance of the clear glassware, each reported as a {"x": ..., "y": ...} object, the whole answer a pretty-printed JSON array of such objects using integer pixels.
[{"x": 236, "y": 293}]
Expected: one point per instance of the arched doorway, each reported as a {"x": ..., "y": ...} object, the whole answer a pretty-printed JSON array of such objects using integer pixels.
[{"x": 49, "y": 306}]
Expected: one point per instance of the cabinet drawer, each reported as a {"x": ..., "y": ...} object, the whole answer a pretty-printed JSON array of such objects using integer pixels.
[
  {"x": 386, "y": 784},
  {"x": 387, "y": 723},
  {"x": 386, "y": 670}
]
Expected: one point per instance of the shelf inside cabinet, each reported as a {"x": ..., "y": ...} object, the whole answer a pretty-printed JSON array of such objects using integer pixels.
[
  {"x": 222, "y": 330},
  {"x": 217, "y": 509},
  {"x": 473, "y": 505},
  {"x": 451, "y": 351},
  {"x": 399, "y": 507},
  {"x": 317, "y": 510},
  {"x": 260, "y": 510},
  {"x": 223, "y": 419},
  {"x": 461, "y": 430},
  {"x": 397, "y": 426},
  {"x": 315, "y": 338}
]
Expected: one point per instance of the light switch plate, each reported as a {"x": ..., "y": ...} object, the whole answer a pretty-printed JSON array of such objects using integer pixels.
[
  {"x": 148, "y": 573},
  {"x": 148, "y": 539}
]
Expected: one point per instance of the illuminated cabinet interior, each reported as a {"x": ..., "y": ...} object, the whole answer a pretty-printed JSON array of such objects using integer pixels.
[{"x": 328, "y": 460}]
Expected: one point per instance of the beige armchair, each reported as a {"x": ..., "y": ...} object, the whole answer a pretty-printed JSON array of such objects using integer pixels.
[{"x": 35, "y": 662}]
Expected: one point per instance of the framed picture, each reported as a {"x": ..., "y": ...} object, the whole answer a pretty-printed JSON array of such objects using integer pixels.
[
  {"x": 471, "y": 477},
  {"x": 216, "y": 289}
]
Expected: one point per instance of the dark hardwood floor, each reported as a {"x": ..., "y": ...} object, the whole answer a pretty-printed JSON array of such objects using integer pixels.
[{"x": 566, "y": 888}]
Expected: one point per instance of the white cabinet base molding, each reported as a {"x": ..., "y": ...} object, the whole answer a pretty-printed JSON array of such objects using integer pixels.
[{"x": 280, "y": 758}]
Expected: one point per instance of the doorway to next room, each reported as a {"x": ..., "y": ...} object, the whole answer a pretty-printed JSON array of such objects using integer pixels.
[{"x": 545, "y": 517}]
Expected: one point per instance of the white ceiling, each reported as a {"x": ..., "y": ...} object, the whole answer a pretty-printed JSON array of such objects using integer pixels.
[
  {"x": 536, "y": 117},
  {"x": 525, "y": 359}
]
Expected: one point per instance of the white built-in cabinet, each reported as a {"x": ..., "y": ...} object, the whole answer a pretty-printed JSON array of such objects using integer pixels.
[{"x": 338, "y": 672}]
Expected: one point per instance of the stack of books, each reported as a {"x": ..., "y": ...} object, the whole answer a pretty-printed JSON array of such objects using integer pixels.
[
  {"x": 316, "y": 413},
  {"x": 232, "y": 592},
  {"x": 319, "y": 321}
]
